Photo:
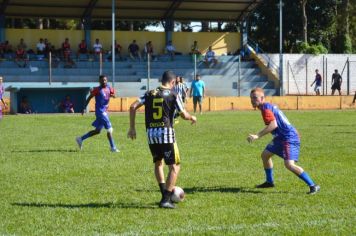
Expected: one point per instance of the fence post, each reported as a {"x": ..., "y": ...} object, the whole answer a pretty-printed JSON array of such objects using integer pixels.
[
  {"x": 148, "y": 71},
  {"x": 195, "y": 66},
  {"x": 348, "y": 76},
  {"x": 306, "y": 76},
  {"x": 239, "y": 77},
  {"x": 326, "y": 76},
  {"x": 288, "y": 77},
  {"x": 50, "y": 67},
  {"x": 100, "y": 63}
]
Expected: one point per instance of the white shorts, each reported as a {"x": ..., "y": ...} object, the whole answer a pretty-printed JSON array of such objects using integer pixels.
[{"x": 317, "y": 88}]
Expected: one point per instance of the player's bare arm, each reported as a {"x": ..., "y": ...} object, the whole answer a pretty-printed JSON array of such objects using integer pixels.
[
  {"x": 133, "y": 108},
  {"x": 86, "y": 103},
  {"x": 268, "y": 129},
  {"x": 186, "y": 116}
]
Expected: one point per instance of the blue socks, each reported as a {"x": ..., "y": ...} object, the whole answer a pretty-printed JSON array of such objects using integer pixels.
[
  {"x": 112, "y": 145},
  {"x": 85, "y": 136},
  {"x": 269, "y": 175},
  {"x": 306, "y": 178}
]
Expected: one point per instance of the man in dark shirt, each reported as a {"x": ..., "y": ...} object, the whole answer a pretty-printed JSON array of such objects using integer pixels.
[
  {"x": 336, "y": 81},
  {"x": 134, "y": 51},
  {"x": 317, "y": 82}
]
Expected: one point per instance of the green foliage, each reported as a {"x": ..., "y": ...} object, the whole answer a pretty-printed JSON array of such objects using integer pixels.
[
  {"x": 311, "y": 49},
  {"x": 48, "y": 187}
]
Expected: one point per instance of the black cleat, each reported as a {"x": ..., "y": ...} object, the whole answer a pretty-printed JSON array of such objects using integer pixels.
[
  {"x": 167, "y": 204},
  {"x": 265, "y": 185},
  {"x": 314, "y": 189}
]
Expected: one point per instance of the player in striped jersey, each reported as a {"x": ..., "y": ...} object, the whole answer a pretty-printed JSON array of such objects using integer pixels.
[
  {"x": 2, "y": 91},
  {"x": 180, "y": 88},
  {"x": 160, "y": 106},
  {"x": 285, "y": 143}
]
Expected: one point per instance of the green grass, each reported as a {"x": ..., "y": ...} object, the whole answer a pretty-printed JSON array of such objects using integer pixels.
[{"x": 48, "y": 187}]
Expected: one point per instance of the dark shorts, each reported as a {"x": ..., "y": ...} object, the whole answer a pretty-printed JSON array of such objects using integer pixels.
[
  {"x": 336, "y": 86},
  {"x": 197, "y": 99},
  {"x": 167, "y": 151},
  {"x": 286, "y": 150}
]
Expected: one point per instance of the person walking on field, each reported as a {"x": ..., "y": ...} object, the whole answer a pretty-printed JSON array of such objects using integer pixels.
[
  {"x": 317, "y": 82},
  {"x": 285, "y": 143},
  {"x": 102, "y": 95},
  {"x": 160, "y": 106},
  {"x": 336, "y": 81}
]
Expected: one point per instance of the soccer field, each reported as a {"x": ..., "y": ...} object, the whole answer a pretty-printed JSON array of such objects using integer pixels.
[{"x": 49, "y": 187}]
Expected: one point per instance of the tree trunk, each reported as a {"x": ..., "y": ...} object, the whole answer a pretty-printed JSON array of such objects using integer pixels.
[{"x": 305, "y": 20}]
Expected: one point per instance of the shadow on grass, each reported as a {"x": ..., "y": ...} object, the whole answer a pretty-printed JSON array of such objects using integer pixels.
[
  {"x": 45, "y": 150},
  {"x": 86, "y": 205},
  {"x": 219, "y": 189}
]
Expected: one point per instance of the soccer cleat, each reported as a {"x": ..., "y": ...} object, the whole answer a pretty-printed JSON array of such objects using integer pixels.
[
  {"x": 265, "y": 185},
  {"x": 114, "y": 149},
  {"x": 314, "y": 189},
  {"x": 79, "y": 142},
  {"x": 167, "y": 204}
]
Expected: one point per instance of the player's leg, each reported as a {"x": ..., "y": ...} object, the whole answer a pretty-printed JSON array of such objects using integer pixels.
[
  {"x": 109, "y": 131},
  {"x": 291, "y": 156},
  {"x": 157, "y": 155},
  {"x": 172, "y": 159},
  {"x": 195, "y": 103},
  {"x": 159, "y": 174},
  {"x": 333, "y": 92},
  {"x": 266, "y": 157},
  {"x": 200, "y": 100}
]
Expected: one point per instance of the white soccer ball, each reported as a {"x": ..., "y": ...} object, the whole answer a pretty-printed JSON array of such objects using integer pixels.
[{"x": 178, "y": 194}]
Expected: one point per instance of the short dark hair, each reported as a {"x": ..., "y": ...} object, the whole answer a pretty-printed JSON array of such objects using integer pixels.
[
  {"x": 168, "y": 76},
  {"x": 101, "y": 77}
]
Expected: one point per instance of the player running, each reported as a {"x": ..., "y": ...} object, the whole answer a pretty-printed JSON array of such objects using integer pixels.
[
  {"x": 160, "y": 106},
  {"x": 285, "y": 143},
  {"x": 102, "y": 96}
]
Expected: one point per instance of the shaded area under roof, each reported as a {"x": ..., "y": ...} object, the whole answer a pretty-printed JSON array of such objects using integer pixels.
[{"x": 180, "y": 10}]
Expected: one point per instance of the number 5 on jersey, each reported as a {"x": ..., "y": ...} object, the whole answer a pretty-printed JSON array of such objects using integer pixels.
[{"x": 157, "y": 105}]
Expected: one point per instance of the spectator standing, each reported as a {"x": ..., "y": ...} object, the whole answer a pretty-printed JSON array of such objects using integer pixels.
[
  {"x": 317, "y": 82},
  {"x": 21, "y": 57},
  {"x": 22, "y": 44},
  {"x": 336, "y": 81},
  {"x": 66, "y": 50},
  {"x": 194, "y": 51},
  {"x": 97, "y": 47},
  {"x": 82, "y": 49},
  {"x": 198, "y": 91}
]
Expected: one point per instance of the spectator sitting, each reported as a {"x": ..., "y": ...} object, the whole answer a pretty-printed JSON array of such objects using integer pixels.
[
  {"x": 22, "y": 45},
  {"x": 67, "y": 105},
  {"x": 118, "y": 49},
  {"x": 170, "y": 50},
  {"x": 7, "y": 47},
  {"x": 66, "y": 50},
  {"x": 134, "y": 51},
  {"x": 149, "y": 51},
  {"x": 210, "y": 58},
  {"x": 195, "y": 51},
  {"x": 25, "y": 107},
  {"x": 21, "y": 57},
  {"x": 41, "y": 47},
  {"x": 82, "y": 49}
]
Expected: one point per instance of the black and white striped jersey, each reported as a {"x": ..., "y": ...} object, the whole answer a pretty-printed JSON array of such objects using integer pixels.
[
  {"x": 180, "y": 89},
  {"x": 160, "y": 106}
]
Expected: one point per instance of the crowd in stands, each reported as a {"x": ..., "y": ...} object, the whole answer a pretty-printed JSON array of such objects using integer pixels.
[{"x": 21, "y": 54}]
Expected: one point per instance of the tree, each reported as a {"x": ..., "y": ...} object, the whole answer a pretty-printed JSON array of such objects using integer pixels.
[{"x": 305, "y": 20}]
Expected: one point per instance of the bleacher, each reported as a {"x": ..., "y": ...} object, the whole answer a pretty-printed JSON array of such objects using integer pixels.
[{"x": 131, "y": 77}]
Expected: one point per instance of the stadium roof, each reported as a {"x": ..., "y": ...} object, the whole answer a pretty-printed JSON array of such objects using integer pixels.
[{"x": 181, "y": 10}]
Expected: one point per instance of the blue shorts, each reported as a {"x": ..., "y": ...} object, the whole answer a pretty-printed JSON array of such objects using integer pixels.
[
  {"x": 102, "y": 121},
  {"x": 285, "y": 149}
]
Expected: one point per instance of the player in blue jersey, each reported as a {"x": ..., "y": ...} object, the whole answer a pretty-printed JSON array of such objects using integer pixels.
[
  {"x": 285, "y": 143},
  {"x": 102, "y": 96},
  {"x": 2, "y": 91}
]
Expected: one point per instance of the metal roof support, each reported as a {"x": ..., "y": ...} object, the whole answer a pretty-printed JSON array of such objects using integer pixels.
[
  {"x": 168, "y": 25},
  {"x": 3, "y": 7},
  {"x": 87, "y": 29},
  {"x": 281, "y": 93},
  {"x": 113, "y": 42}
]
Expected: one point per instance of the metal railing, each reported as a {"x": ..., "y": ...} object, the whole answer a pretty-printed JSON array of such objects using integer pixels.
[{"x": 259, "y": 51}]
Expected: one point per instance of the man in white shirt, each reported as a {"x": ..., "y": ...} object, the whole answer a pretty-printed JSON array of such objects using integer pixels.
[
  {"x": 41, "y": 46},
  {"x": 97, "y": 47},
  {"x": 171, "y": 50}
]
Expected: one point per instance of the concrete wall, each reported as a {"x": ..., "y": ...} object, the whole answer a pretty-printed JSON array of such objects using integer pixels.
[
  {"x": 243, "y": 103},
  {"x": 301, "y": 71},
  {"x": 222, "y": 42}
]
